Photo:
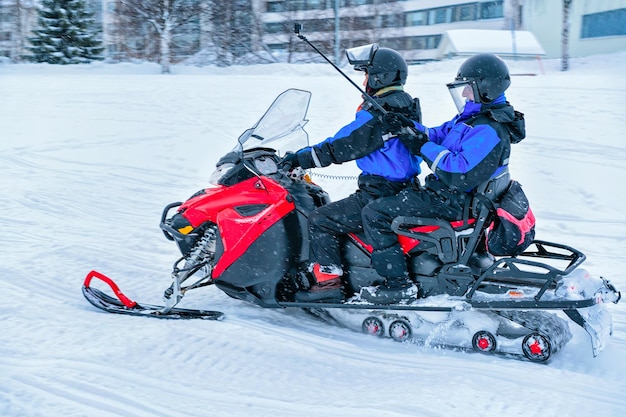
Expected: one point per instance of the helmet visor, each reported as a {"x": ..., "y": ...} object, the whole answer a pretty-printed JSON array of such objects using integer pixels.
[
  {"x": 461, "y": 92},
  {"x": 361, "y": 56}
]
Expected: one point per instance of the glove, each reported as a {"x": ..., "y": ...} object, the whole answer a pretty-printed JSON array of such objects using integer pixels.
[
  {"x": 396, "y": 122},
  {"x": 413, "y": 139},
  {"x": 289, "y": 161},
  {"x": 402, "y": 127}
]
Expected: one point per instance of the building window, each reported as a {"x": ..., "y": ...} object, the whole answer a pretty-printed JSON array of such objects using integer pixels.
[
  {"x": 392, "y": 21},
  {"x": 463, "y": 13},
  {"x": 278, "y": 47},
  {"x": 491, "y": 10},
  {"x": 6, "y": 15},
  {"x": 355, "y": 23},
  {"x": 413, "y": 42},
  {"x": 609, "y": 23},
  {"x": 441, "y": 15},
  {"x": 348, "y": 3},
  {"x": 417, "y": 42},
  {"x": 295, "y": 5},
  {"x": 276, "y": 6},
  {"x": 394, "y": 43},
  {"x": 418, "y": 18},
  {"x": 274, "y": 27}
]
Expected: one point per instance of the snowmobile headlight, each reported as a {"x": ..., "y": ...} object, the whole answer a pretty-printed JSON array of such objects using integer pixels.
[
  {"x": 220, "y": 172},
  {"x": 179, "y": 223}
]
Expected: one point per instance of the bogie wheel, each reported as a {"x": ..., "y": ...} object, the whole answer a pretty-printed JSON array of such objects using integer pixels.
[
  {"x": 400, "y": 330},
  {"x": 537, "y": 347},
  {"x": 373, "y": 325},
  {"x": 484, "y": 342}
]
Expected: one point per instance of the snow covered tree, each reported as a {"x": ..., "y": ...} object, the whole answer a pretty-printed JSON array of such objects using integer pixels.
[
  {"x": 232, "y": 26},
  {"x": 567, "y": 4},
  {"x": 66, "y": 34},
  {"x": 167, "y": 19}
]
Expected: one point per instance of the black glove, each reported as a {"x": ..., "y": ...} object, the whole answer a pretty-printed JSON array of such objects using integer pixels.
[
  {"x": 401, "y": 126},
  {"x": 289, "y": 161},
  {"x": 413, "y": 139},
  {"x": 396, "y": 122}
]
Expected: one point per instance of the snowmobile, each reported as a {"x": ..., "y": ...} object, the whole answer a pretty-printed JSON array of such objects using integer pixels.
[{"x": 247, "y": 235}]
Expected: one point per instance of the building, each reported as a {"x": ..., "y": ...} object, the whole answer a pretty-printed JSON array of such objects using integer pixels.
[
  {"x": 417, "y": 28},
  {"x": 413, "y": 27},
  {"x": 596, "y": 27}
]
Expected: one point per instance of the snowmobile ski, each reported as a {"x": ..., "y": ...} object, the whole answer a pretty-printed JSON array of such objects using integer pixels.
[{"x": 124, "y": 305}]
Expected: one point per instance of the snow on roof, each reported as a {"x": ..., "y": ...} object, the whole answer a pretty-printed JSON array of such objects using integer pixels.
[{"x": 501, "y": 42}]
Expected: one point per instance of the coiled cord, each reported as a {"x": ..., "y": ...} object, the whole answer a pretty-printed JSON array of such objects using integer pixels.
[{"x": 334, "y": 177}]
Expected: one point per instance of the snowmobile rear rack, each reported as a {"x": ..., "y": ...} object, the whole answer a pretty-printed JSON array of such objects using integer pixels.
[{"x": 530, "y": 273}]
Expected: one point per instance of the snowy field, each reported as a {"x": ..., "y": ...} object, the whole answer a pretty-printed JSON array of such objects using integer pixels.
[{"x": 89, "y": 157}]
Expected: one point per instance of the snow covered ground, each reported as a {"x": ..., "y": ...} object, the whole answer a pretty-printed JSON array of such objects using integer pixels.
[{"x": 89, "y": 157}]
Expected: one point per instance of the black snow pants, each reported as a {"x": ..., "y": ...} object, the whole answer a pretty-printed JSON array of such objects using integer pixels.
[
  {"x": 329, "y": 224},
  {"x": 388, "y": 258}
]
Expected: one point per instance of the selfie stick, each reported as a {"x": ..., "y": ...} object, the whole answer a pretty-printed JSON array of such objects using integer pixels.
[{"x": 297, "y": 27}]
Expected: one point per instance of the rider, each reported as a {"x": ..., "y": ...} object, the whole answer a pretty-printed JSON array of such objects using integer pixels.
[
  {"x": 463, "y": 153},
  {"x": 386, "y": 164}
]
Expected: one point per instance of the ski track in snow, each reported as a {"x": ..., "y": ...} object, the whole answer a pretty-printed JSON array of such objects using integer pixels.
[{"x": 91, "y": 159}]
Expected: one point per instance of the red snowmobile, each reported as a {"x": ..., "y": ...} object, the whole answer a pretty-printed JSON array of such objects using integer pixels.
[{"x": 247, "y": 235}]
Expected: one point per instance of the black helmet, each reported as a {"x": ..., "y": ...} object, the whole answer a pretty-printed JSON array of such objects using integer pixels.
[
  {"x": 387, "y": 68},
  {"x": 384, "y": 66},
  {"x": 488, "y": 75}
]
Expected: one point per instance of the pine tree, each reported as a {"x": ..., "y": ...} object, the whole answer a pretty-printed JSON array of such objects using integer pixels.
[{"x": 65, "y": 34}]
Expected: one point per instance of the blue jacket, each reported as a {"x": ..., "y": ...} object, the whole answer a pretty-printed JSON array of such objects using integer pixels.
[
  {"x": 362, "y": 140},
  {"x": 474, "y": 146}
]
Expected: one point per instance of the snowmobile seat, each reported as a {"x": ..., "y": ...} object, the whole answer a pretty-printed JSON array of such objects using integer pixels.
[
  {"x": 433, "y": 229},
  {"x": 456, "y": 241}
]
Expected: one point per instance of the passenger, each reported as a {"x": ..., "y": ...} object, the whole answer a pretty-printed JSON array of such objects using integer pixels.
[
  {"x": 386, "y": 165},
  {"x": 463, "y": 153}
]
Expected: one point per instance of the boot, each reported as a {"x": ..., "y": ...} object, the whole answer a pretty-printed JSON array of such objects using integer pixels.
[
  {"x": 392, "y": 291},
  {"x": 390, "y": 263},
  {"x": 327, "y": 287}
]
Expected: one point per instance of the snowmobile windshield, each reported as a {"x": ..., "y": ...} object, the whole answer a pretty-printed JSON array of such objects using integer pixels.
[
  {"x": 461, "y": 92},
  {"x": 361, "y": 56},
  {"x": 282, "y": 126}
]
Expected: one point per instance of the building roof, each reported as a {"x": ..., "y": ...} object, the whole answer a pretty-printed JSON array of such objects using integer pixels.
[{"x": 501, "y": 42}]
